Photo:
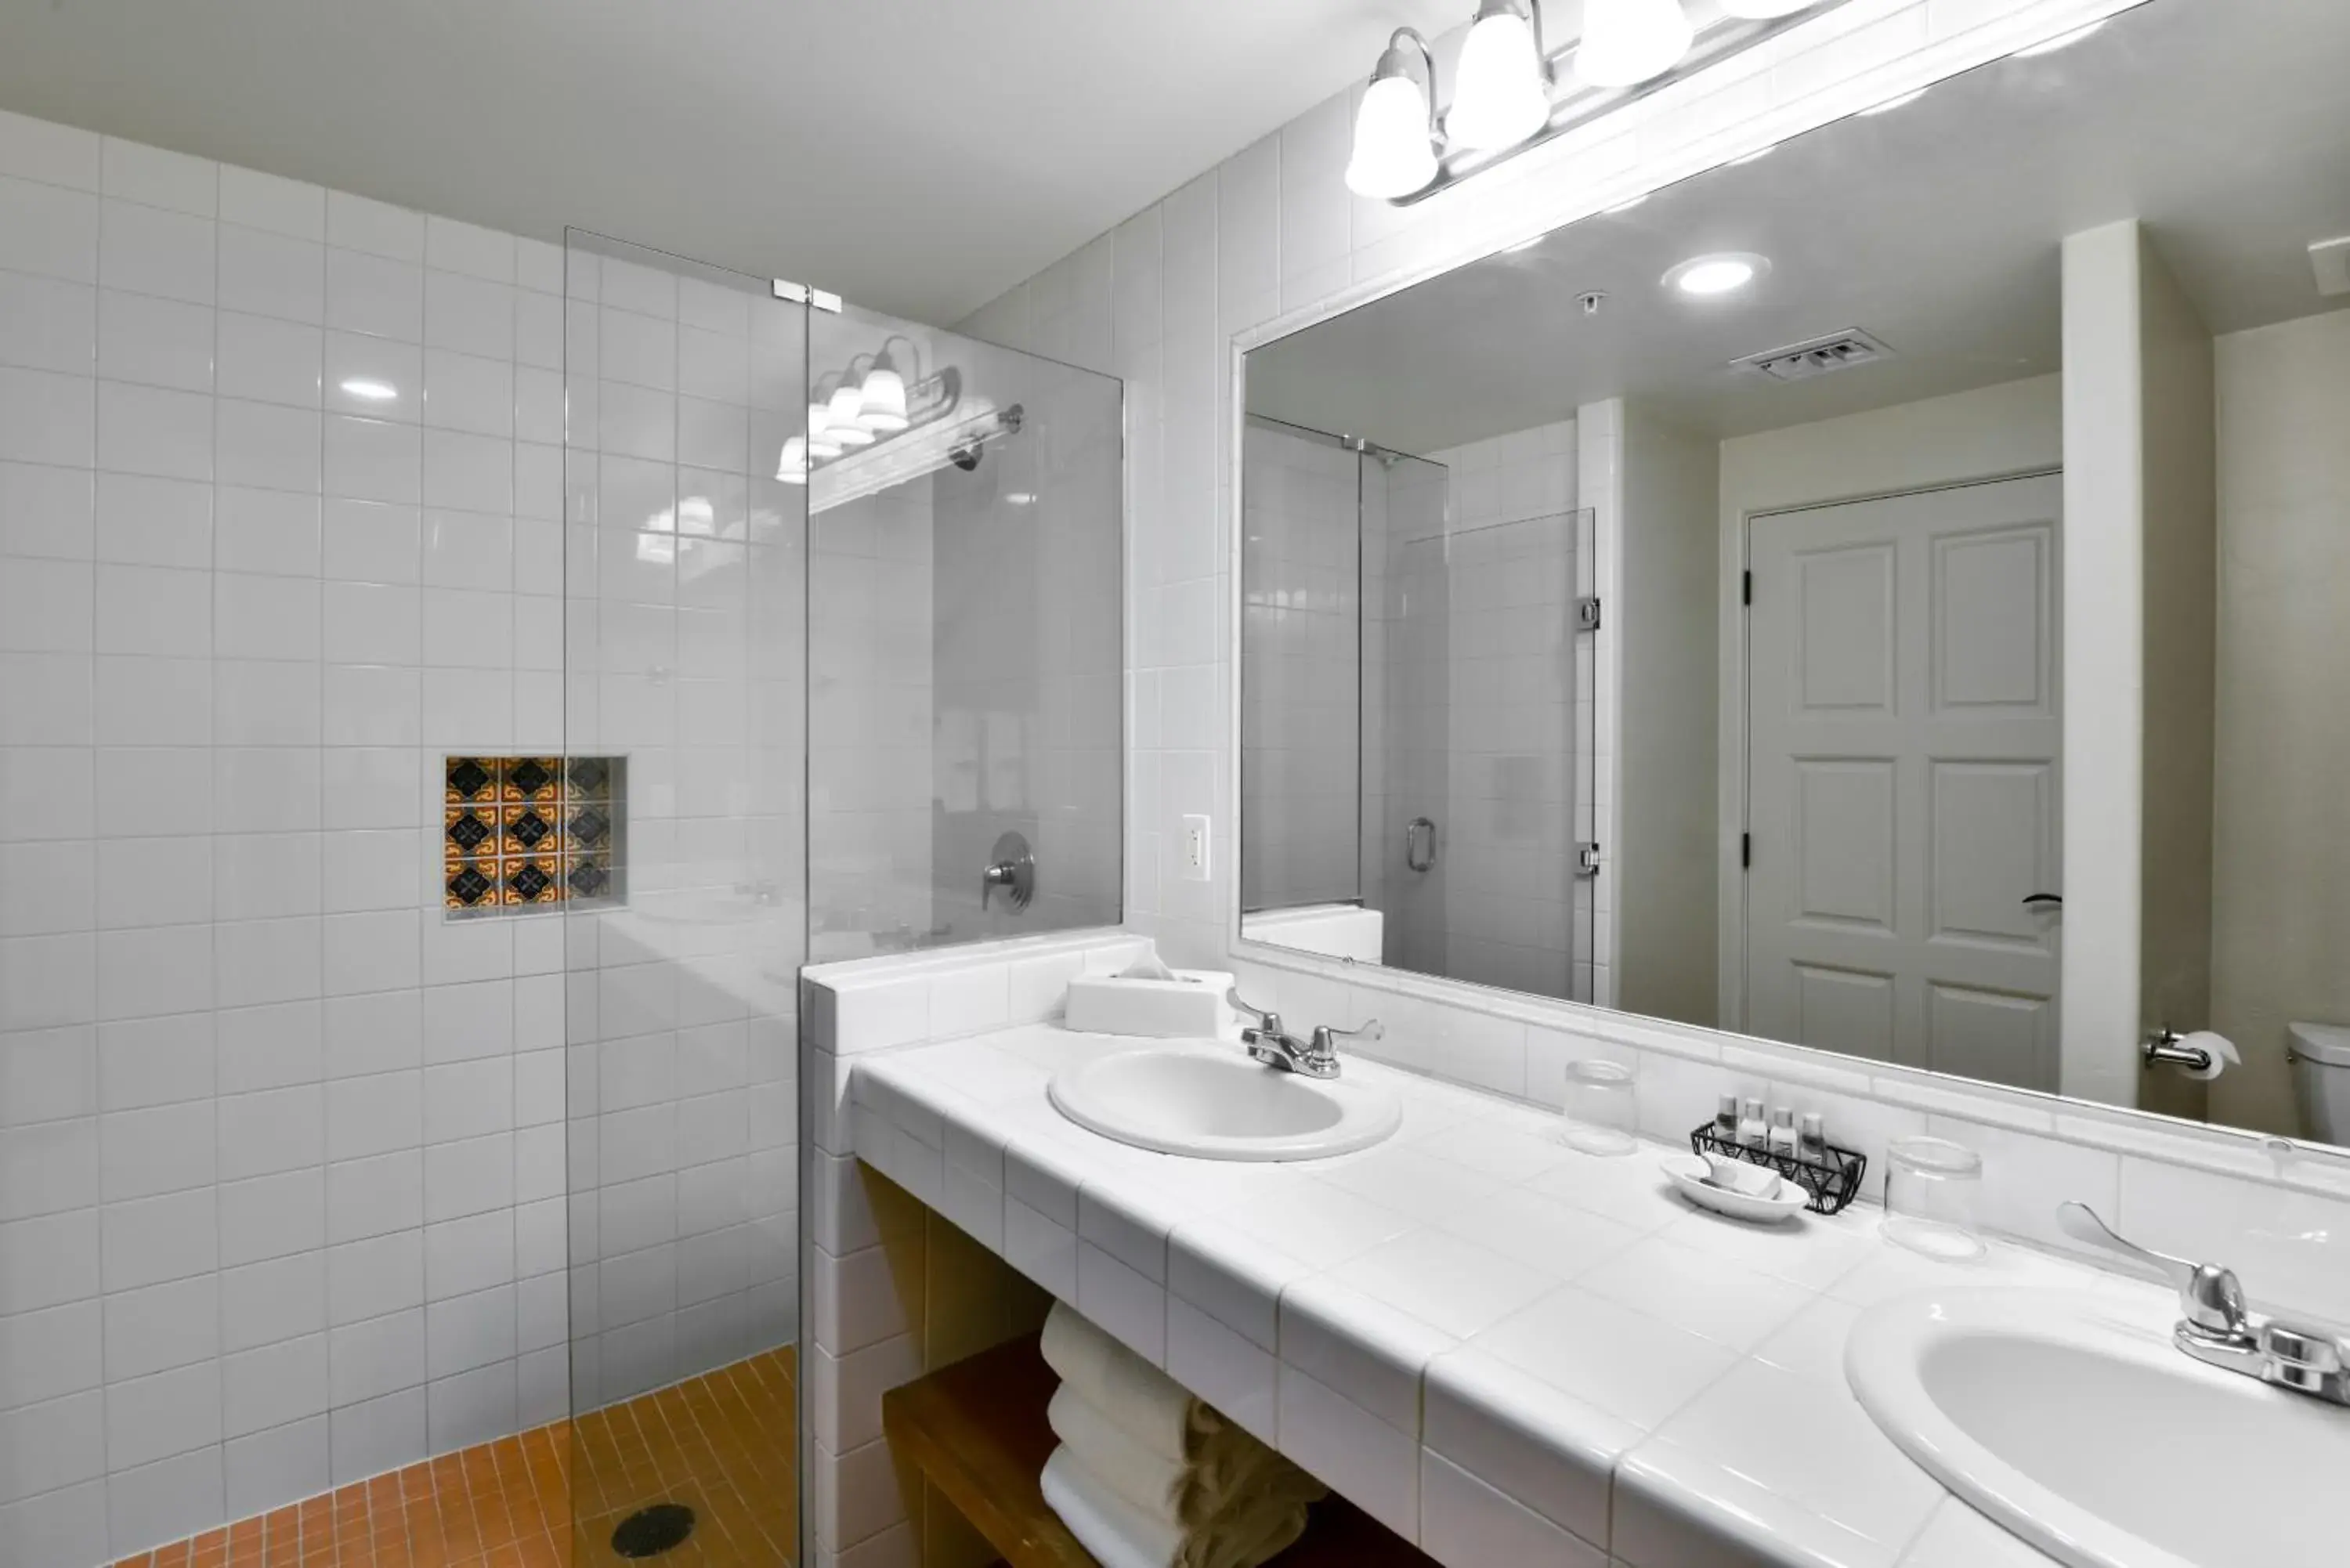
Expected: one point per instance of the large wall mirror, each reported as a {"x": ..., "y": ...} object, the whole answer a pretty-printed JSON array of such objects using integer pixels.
[{"x": 1889, "y": 594}]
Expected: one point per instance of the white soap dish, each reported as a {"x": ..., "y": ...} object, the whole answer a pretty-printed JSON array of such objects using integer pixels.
[{"x": 1689, "y": 1173}]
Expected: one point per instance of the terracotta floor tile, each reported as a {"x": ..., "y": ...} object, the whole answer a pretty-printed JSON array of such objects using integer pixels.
[{"x": 724, "y": 1444}]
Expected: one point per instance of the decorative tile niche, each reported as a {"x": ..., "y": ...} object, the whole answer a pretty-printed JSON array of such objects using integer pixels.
[{"x": 521, "y": 833}]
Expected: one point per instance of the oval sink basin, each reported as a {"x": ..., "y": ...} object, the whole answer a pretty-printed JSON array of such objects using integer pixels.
[
  {"x": 1211, "y": 1101},
  {"x": 2081, "y": 1429}
]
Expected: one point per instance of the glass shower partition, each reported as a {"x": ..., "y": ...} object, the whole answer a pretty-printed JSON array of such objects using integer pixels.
[
  {"x": 966, "y": 668},
  {"x": 843, "y": 676},
  {"x": 685, "y": 670}
]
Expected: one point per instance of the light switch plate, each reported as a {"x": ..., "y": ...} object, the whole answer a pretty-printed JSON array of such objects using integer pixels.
[{"x": 1195, "y": 850}]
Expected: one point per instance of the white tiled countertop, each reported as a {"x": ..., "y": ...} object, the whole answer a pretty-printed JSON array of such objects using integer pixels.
[{"x": 1510, "y": 1351}]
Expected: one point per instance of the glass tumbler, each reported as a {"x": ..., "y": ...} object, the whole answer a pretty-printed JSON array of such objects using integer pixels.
[
  {"x": 1603, "y": 1107},
  {"x": 1933, "y": 1197}
]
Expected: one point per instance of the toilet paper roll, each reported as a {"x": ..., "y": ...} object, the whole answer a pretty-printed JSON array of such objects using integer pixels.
[{"x": 2218, "y": 1047}]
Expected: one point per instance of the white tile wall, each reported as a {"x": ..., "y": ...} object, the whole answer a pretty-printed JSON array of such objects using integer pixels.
[
  {"x": 1306, "y": 650},
  {"x": 895, "y": 1288},
  {"x": 268, "y": 1119}
]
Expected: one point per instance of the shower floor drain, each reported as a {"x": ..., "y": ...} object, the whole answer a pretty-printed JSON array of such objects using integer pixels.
[{"x": 650, "y": 1531}]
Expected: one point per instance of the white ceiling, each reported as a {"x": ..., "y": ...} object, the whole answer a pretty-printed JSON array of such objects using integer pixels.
[
  {"x": 1936, "y": 227},
  {"x": 917, "y": 155}
]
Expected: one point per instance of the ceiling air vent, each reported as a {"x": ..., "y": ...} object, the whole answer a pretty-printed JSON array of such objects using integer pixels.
[{"x": 1819, "y": 357}]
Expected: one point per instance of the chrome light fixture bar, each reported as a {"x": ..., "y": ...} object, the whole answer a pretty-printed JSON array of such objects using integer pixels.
[{"x": 1511, "y": 93}]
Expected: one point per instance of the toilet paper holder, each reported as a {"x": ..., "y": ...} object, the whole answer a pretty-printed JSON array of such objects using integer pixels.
[{"x": 2169, "y": 1048}]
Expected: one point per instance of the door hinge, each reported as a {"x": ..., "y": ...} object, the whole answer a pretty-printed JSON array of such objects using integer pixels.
[
  {"x": 1587, "y": 857},
  {"x": 1745, "y": 852},
  {"x": 1587, "y": 613},
  {"x": 1746, "y": 588}
]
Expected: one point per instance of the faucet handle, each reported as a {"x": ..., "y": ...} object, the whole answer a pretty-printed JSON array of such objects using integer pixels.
[
  {"x": 1325, "y": 1039},
  {"x": 2209, "y": 1296},
  {"x": 1266, "y": 1018}
]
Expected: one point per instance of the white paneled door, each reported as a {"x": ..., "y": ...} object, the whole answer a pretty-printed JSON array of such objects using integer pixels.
[{"x": 1903, "y": 803}]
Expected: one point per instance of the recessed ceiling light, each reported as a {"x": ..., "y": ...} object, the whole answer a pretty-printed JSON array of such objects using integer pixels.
[
  {"x": 1890, "y": 104},
  {"x": 1706, "y": 276},
  {"x": 370, "y": 391},
  {"x": 2060, "y": 41}
]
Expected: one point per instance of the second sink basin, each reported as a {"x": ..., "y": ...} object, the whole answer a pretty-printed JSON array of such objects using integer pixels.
[
  {"x": 1209, "y": 1100},
  {"x": 2086, "y": 1434}
]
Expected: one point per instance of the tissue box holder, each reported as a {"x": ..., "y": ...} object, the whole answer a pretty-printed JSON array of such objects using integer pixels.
[{"x": 1191, "y": 1005}]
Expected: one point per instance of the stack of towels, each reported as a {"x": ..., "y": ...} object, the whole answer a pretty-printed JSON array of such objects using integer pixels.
[{"x": 1148, "y": 1477}]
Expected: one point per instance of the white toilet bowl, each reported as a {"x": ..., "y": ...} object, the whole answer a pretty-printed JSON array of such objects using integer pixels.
[{"x": 2321, "y": 1078}]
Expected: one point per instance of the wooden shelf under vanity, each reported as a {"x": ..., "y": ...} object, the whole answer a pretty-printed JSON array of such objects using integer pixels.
[{"x": 977, "y": 1430}]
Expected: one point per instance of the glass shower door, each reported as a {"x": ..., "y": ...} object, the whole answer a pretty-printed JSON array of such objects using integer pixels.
[
  {"x": 1486, "y": 689},
  {"x": 685, "y": 666}
]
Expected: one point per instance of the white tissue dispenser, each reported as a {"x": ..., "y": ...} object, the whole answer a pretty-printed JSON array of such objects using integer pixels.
[{"x": 1190, "y": 1005}]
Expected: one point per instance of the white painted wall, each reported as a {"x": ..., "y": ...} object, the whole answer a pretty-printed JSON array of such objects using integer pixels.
[
  {"x": 2138, "y": 512},
  {"x": 2017, "y": 427},
  {"x": 2281, "y": 894},
  {"x": 2181, "y": 524},
  {"x": 1667, "y": 609}
]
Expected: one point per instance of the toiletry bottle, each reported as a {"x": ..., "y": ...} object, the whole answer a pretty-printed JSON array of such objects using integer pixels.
[
  {"x": 1783, "y": 1130},
  {"x": 1725, "y": 1119},
  {"x": 1811, "y": 1138},
  {"x": 1752, "y": 1130}
]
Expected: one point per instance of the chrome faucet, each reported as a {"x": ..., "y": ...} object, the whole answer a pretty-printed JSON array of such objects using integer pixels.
[
  {"x": 2217, "y": 1328},
  {"x": 1316, "y": 1057}
]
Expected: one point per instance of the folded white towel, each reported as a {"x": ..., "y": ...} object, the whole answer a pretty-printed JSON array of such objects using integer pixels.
[
  {"x": 1229, "y": 1468},
  {"x": 1123, "y": 1536},
  {"x": 1151, "y": 1407}
]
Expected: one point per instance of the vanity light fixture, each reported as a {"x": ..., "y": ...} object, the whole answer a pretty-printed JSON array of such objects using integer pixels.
[
  {"x": 792, "y": 466},
  {"x": 1706, "y": 277},
  {"x": 1626, "y": 42},
  {"x": 1395, "y": 128},
  {"x": 842, "y": 411},
  {"x": 2060, "y": 41},
  {"x": 370, "y": 391},
  {"x": 1501, "y": 89},
  {"x": 881, "y": 420},
  {"x": 882, "y": 395},
  {"x": 1510, "y": 92}
]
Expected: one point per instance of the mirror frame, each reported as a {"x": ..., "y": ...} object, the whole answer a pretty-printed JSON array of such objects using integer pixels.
[{"x": 1548, "y": 191}]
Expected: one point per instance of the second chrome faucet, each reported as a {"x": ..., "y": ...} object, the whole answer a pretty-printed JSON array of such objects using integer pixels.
[{"x": 1316, "y": 1056}]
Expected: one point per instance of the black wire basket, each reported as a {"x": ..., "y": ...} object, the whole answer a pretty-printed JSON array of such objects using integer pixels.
[{"x": 1833, "y": 1182}]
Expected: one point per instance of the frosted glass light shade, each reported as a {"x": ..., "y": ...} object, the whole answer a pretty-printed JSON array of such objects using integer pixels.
[
  {"x": 792, "y": 467},
  {"x": 1625, "y": 42},
  {"x": 1392, "y": 155},
  {"x": 841, "y": 417},
  {"x": 883, "y": 401},
  {"x": 1763, "y": 10},
  {"x": 1500, "y": 97}
]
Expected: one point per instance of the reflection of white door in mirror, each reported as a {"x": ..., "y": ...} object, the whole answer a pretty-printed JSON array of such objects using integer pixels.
[{"x": 1904, "y": 800}]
